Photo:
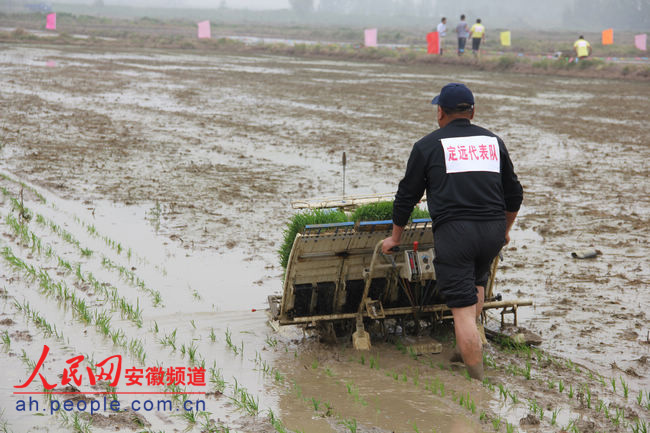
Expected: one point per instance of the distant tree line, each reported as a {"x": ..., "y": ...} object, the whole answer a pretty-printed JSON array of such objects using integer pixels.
[
  {"x": 365, "y": 7},
  {"x": 378, "y": 7},
  {"x": 522, "y": 14},
  {"x": 302, "y": 6},
  {"x": 600, "y": 14}
]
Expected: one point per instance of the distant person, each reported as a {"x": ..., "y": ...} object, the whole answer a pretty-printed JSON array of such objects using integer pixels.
[
  {"x": 582, "y": 48},
  {"x": 442, "y": 32},
  {"x": 478, "y": 34},
  {"x": 462, "y": 30}
]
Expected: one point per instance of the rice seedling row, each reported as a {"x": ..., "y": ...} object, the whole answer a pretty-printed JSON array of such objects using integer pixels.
[
  {"x": 124, "y": 272},
  {"x": 34, "y": 316},
  {"x": 325, "y": 409},
  {"x": 240, "y": 396},
  {"x": 49, "y": 330},
  {"x": 438, "y": 387},
  {"x": 244, "y": 400},
  {"x": 85, "y": 314},
  {"x": 320, "y": 407},
  {"x": 584, "y": 396},
  {"x": 522, "y": 350},
  {"x": 22, "y": 185},
  {"x": 90, "y": 228},
  {"x": 131, "y": 277},
  {"x": 507, "y": 395},
  {"x": 115, "y": 245},
  {"x": 237, "y": 350},
  {"x": 4, "y": 423},
  {"x": 269, "y": 370},
  {"x": 109, "y": 292},
  {"x": 62, "y": 291}
]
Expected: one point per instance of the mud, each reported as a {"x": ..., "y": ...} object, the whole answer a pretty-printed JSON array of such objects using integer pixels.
[{"x": 190, "y": 161}]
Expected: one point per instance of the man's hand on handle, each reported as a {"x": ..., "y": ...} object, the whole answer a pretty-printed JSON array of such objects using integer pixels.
[
  {"x": 392, "y": 241},
  {"x": 510, "y": 220},
  {"x": 388, "y": 245}
]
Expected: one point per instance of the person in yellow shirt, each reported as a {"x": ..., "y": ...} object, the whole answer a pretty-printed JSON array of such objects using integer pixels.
[
  {"x": 582, "y": 48},
  {"x": 477, "y": 33}
]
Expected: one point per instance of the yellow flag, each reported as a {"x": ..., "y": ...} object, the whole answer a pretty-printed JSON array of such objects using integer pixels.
[{"x": 505, "y": 38}]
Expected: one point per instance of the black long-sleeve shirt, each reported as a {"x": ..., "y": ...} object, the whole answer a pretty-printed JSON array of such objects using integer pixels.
[{"x": 463, "y": 173}]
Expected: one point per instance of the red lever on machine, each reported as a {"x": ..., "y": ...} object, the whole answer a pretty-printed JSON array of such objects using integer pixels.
[{"x": 415, "y": 246}]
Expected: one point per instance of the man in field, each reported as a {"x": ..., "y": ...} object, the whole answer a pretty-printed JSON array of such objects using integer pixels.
[
  {"x": 478, "y": 34},
  {"x": 442, "y": 32},
  {"x": 473, "y": 196},
  {"x": 462, "y": 31},
  {"x": 582, "y": 48}
]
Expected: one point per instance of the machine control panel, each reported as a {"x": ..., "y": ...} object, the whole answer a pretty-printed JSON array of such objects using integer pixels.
[{"x": 418, "y": 265}]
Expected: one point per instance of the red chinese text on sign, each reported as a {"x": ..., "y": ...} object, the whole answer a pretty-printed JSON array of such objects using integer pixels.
[
  {"x": 469, "y": 153},
  {"x": 493, "y": 153},
  {"x": 155, "y": 376},
  {"x": 474, "y": 153},
  {"x": 113, "y": 374},
  {"x": 196, "y": 376},
  {"x": 110, "y": 370},
  {"x": 133, "y": 376},
  {"x": 38, "y": 366},
  {"x": 176, "y": 376},
  {"x": 462, "y": 153},
  {"x": 71, "y": 373}
]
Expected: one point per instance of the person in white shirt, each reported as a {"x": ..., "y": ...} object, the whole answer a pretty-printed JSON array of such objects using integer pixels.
[{"x": 442, "y": 32}]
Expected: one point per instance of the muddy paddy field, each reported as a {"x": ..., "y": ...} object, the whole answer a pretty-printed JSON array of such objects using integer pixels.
[{"x": 155, "y": 190}]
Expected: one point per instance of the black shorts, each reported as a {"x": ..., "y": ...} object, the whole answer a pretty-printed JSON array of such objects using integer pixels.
[
  {"x": 476, "y": 42},
  {"x": 464, "y": 252}
]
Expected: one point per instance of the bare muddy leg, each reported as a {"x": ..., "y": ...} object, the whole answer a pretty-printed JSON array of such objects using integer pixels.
[{"x": 468, "y": 340}]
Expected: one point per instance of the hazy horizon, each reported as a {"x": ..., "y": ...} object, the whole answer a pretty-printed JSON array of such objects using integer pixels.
[{"x": 575, "y": 15}]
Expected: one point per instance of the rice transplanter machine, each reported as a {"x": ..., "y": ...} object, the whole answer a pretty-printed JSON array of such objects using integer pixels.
[{"x": 338, "y": 281}]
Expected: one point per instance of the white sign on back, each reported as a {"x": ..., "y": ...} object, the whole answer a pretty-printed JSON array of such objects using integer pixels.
[{"x": 477, "y": 153}]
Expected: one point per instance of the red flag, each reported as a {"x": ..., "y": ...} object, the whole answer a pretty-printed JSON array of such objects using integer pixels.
[{"x": 433, "y": 43}]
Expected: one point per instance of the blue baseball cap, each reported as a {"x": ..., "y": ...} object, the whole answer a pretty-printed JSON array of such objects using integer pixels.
[{"x": 452, "y": 95}]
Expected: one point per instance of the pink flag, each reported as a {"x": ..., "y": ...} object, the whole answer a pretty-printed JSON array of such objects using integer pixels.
[
  {"x": 51, "y": 22},
  {"x": 433, "y": 43},
  {"x": 204, "y": 30},
  {"x": 371, "y": 37},
  {"x": 640, "y": 41}
]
